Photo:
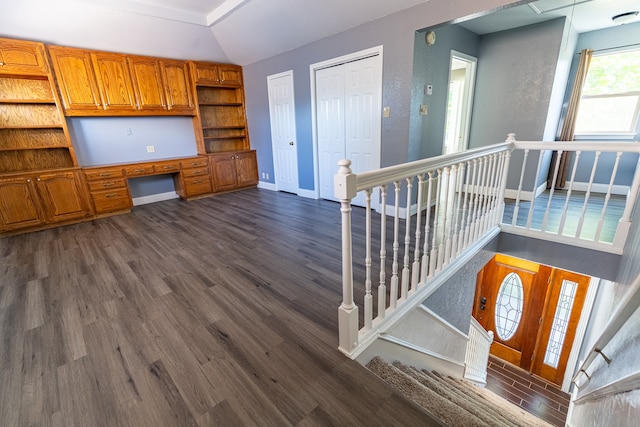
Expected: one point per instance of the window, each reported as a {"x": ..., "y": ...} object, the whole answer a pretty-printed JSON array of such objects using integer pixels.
[
  {"x": 509, "y": 306},
  {"x": 610, "y": 100}
]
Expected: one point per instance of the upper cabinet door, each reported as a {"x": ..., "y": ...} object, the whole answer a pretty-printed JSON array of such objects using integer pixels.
[
  {"x": 22, "y": 57},
  {"x": 147, "y": 83},
  {"x": 114, "y": 81},
  {"x": 178, "y": 87},
  {"x": 205, "y": 74},
  {"x": 76, "y": 81},
  {"x": 230, "y": 75}
]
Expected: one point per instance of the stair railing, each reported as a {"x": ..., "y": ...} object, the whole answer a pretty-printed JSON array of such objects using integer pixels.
[
  {"x": 477, "y": 354},
  {"x": 451, "y": 204}
]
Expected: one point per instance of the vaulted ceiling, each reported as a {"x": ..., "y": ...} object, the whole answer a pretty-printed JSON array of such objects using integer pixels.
[{"x": 251, "y": 30}]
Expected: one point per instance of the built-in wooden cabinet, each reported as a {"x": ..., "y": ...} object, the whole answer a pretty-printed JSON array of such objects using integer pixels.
[
  {"x": 194, "y": 179},
  {"x": 178, "y": 86},
  {"x": 210, "y": 74},
  {"x": 22, "y": 57},
  {"x": 234, "y": 170},
  {"x": 39, "y": 180},
  {"x": 33, "y": 200},
  {"x": 94, "y": 83},
  {"x": 41, "y": 183}
]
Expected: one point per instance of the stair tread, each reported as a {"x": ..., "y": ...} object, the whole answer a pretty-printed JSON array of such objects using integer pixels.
[{"x": 455, "y": 401}]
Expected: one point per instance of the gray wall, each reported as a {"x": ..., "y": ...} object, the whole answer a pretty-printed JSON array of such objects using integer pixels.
[
  {"x": 453, "y": 301},
  {"x": 621, "y": 409},
  {"x": 431, "y": 66},
  {"x": 396, "y": 34}
]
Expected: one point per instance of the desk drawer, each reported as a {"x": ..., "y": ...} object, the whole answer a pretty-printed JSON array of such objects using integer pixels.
[
  {"x": 106, "y": 184},
  {"x": 167, "y": 167},
  {"x": 137, "y": 170},
  {"x": 110, "y": 201},
  {"x": 194, "y": 163},
  {"x": 195, "y": 172},
  {"x": 197, "y": 185},
  {"x": 92, "y": 175}
]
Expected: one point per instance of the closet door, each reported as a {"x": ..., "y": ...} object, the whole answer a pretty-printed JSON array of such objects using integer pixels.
[{"x": 348, "y": 106}]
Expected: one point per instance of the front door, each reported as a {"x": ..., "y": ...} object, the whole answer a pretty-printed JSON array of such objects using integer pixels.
[
  {"x": 283, "y": 131},
  {"x": 533, "y": 311}
]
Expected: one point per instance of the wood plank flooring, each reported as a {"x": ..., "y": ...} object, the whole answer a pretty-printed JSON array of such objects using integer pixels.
[
  {"x": 531, "y": 393},
  {"x": 220, "y": 311}
]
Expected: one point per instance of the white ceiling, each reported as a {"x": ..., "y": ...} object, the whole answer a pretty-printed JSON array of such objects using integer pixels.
[{"x": 251, "y": 30}]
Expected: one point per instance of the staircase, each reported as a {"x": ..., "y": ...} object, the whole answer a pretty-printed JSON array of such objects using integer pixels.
[{"x": 455, "y": 402}]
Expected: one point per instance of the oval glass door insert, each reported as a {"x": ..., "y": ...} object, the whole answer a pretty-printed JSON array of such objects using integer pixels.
[{"x": 509, "y": 304}]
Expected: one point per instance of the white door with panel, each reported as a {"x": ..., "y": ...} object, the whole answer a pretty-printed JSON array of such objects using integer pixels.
[
  {"x": 348, "y": 106},
  {"x": 283, "y": 131}
]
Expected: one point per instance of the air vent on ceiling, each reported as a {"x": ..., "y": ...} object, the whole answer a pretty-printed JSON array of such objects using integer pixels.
[{"x": 543, "y": 6}]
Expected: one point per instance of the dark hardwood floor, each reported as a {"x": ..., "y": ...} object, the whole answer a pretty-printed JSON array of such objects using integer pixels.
[
  {"x": 220, "y": 311},
  {"x": 531, "y": 393}
]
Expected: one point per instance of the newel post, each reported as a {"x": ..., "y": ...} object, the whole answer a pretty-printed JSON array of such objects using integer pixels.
[{"x": 345, "y": 190}]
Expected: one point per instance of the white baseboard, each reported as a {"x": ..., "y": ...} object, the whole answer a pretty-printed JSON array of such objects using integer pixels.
[
  {"x": 267, "y": 186},
  {"x": 152, "y": 198},
  {"x": 309, "y": 194},
  {"x": 621, "y": 190},
  {"x": 525, "y": 195}
]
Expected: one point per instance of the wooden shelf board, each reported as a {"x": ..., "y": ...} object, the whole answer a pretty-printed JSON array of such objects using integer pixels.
[
  {"x": 52, "y": 126},
  {"x": 46, "y": 147},
  {"x": 222, "y": 127},
  {"x": 221, "y": 104},
  {"x": 211, "y": 138},
  {"x": 28, "y": 101}
]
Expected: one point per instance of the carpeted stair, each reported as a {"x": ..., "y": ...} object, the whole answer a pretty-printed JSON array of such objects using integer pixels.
[{"x": 455, "y": 402}]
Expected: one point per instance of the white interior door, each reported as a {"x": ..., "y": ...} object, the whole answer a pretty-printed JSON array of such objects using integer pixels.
[
  {"x": 283, "y": 131},
  {"x": 348, "y": 122}
]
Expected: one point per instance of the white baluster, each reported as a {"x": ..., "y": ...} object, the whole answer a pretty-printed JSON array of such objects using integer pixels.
[
  {"x": 415, "y": 268},
  {"x": 516, "y": 208},
  {"x": 504, "y": 172},
  {"x": 535, "y": 189},
  {"x": 434, "y": 232},
  {"x": 551, "y": 191},
  {"x": 444, "y": 208},
  {"x": 463, "y": 223},
  {"x": 456, "y": 221},
  {"x": 425, "y": 251},
  {"x": 625, "y": 222},
  {"x": 368, "y": 299},
  {"x": 407, "y": 243},
  {"x": 480, "y": 190},
  {"x": 563, "y": 218},
  {"x": 472, "y": 203},
  {"x": 494, "y": 219},
  {"x": 607, "y": 197},
  {"x": 451, "y": 194},
  {"x": 382, "y": 288},
  {"x": 393, "y": 300},
  {"x": 588, "y": 194}
]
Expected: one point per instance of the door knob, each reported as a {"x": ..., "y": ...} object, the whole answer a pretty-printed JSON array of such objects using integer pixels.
[{"x": 291, "y": 143}]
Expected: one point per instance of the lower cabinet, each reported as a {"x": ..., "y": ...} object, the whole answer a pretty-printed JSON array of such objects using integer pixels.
[
  {"x": 109, "y": 190},
  {"x": 39, "y": 199},
  {"x": 234, "y": 170},
  {"x": 194, "y": 179}
]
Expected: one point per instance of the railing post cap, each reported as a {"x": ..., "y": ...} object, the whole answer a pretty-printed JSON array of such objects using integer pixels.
[
  {"x": 511, "y": 137},
  {"x": 344, "y": 165}
]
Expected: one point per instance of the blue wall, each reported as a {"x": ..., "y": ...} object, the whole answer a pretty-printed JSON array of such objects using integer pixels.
[
  {"x": 104, "y": 140},
  {"x": 431, "y": 66},
  {"x": 396, "y": 34}
]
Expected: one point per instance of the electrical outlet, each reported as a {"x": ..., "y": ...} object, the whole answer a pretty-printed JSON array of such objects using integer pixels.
[
  {"x": 151, "y": 149},
  {"x": 128, "y": 131},
  {"x": 264, "y": 175},
  {"x": 267, "y": 175}
]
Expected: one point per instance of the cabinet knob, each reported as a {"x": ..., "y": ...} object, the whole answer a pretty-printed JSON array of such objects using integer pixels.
[
  {"x": 38, "y": 179},
  {"x": 1, "y": 64},
  {"x": 28, "y": 179}
]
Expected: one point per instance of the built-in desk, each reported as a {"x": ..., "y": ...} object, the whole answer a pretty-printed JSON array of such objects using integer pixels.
[{"x": 109, "y": 188}]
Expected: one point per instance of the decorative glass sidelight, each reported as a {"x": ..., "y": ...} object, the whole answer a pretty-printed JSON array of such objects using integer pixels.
[
  {"x": 560, "y": 323},
  {"x": 509, "y": 306}
]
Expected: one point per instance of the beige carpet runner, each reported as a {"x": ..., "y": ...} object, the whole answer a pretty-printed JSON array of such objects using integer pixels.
[{"x": 455, "y": 402}]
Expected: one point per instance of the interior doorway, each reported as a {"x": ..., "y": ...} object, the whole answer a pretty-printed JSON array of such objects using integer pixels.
[
  {"x": 462, "y": 78},
  {"x": 283, "y": 131},
  {"x": 347, "y": 119},
  {"x": 533, "y": 311}
]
